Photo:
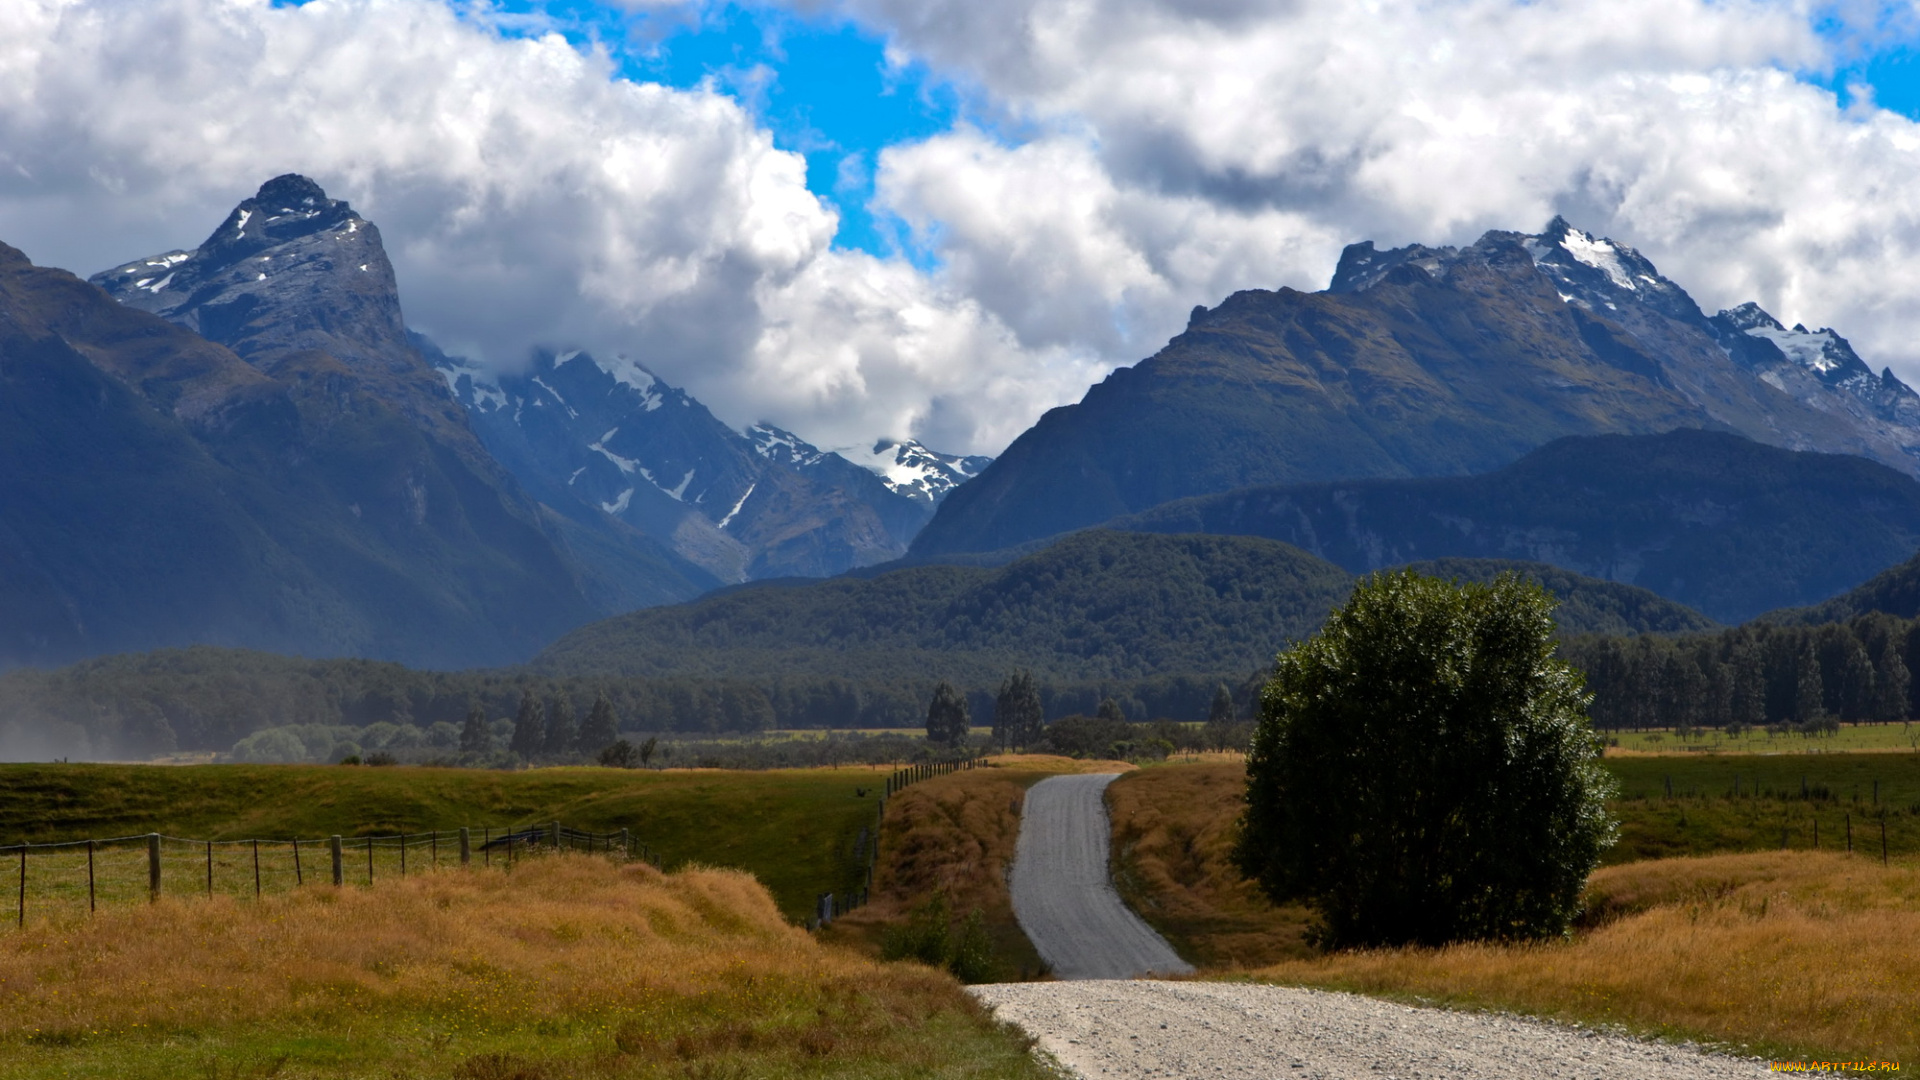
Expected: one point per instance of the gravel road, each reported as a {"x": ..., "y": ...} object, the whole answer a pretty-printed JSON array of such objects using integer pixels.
[
  {"x": 1061, "y": 893},
  {"x": 1114, "y": 1030}
]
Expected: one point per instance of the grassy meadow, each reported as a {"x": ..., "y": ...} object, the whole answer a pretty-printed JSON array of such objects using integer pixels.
[
  {"x": 572, "y": 966},
  {"x": 1698, "y": 926},
  {"x": 796, "y": 830},
  {"x": 1850, "y": 738}
]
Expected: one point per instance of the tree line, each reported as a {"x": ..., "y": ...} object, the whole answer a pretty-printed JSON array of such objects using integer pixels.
[{"x": 1761, "y": 675}]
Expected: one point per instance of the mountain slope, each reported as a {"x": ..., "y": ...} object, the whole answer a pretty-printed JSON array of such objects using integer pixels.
[
  {"x": 614, "y": 437},
  {"x": 1712, "y": 520},
  {"x": 1893, "y": 591},
  {"x": 1424, "y": 362},
  {"x": 299, "y": 286},
  {"x": 1097, "y": 605}
]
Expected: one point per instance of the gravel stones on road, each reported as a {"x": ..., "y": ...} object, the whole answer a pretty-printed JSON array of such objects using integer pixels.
[
  {"x": 1062, "y": 895},
  {"x": 1133, "y": 1030}
]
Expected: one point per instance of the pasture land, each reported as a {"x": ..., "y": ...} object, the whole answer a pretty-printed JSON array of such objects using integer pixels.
[
  {"x": 571, "y": 966},
  {"x": 1796, "y": 951},
  {"x": 796, "y": 830},
  {"x": 1850, "y": 738}
]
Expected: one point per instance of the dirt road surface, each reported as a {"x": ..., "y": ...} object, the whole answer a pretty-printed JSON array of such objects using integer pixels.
[
  {"x": 1242, "y": 1031},
  {"x": 1062, "y": 895}
]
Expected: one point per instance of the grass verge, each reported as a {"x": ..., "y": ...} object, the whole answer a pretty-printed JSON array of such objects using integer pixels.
[
  {"x": 956, "y": 834},
  {"x": 1795, "y": 953},
  {"x": 569, "y": 967},
  {"x": 1792, "y": 954}
]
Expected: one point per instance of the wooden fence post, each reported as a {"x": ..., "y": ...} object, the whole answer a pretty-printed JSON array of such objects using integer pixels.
[
  {"x": 89, "y": 877},
  {"x": 297, "y": 878},
  {"x": 153, "y": 866},
  {"x": 403, "y": 854},
  {"x": 339, "y": 867},
  {"x": 256, "y": 869},
  {"x": 466, "y": 846},
  {"x": 23, "y": 886},
  {"x": 209, "y": 869},
  {"x": 626, "y": 844},
  {"x": 369, "y": 860},
  {"x": 556, "y": 836}
]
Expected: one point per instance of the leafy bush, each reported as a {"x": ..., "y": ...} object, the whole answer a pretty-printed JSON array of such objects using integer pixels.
[
  {"x": 930, "y": 938},
  {"x": 1423, "y": 770}
]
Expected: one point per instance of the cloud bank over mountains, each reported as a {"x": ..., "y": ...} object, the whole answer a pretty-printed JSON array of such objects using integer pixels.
[{"x": 1123, "y": 161}]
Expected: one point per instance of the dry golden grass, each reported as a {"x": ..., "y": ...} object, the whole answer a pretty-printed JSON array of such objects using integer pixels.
[
  {"x": 1801, "y": 952},
  {"x": 1172, "y": 833},
  {"x": 570, "y": 966}
]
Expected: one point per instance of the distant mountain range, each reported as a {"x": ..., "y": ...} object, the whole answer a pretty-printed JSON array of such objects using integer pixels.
[
  {"x": 1424, "y": 362},
  {"x": 1097, "y": 605},
  {"x": 614, "y": 439},
  {"x": 251, "y": 448},
  {"x": 1712, "y": 520}
]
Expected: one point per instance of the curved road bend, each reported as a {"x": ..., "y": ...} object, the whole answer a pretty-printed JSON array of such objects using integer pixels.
[{"x": 1062, "y": 896}]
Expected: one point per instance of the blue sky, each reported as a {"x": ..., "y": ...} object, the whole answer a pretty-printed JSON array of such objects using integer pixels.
[{"x": 822, "y": 86}]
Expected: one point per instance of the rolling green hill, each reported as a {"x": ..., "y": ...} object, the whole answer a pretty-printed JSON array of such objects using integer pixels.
[{"x": 1097, "y": 605}]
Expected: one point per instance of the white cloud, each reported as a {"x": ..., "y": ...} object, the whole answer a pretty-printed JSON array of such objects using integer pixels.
[
  {"x": 1171, "y": 151},
  {"x": 527, "y": 196}
]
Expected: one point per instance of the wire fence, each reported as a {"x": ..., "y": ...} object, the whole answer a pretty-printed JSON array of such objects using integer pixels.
[
  {"x": 75, "y": 877},
  {"x": 866, "y": 848}
]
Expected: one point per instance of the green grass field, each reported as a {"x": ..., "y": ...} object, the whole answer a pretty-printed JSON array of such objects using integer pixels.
[
  {"x": 1850, "y": 737},
  {"x": 796, "y": 830},
  {"x": 1731, "y": 803}
]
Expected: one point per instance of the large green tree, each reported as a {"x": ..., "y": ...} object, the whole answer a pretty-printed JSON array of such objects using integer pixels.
[{"x": 1424, "y": 771}]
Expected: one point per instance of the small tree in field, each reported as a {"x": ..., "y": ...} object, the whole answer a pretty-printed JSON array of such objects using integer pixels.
[
  {"x": 473, "y": 735},
  {"x": 1423, "y": 770},
  {"x": 602, "y": 728},
  {"x": 947, "y": 719},
  {"x": 1017, "y": 712},
  {"x": 529, "y": 727}
]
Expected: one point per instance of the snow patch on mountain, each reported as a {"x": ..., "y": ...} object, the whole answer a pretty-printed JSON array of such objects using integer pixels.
[
  {"x": 725, "y": 521},
  {"x": 782, "y": 446},
  {"x": 1600, "y": 254},
  {"x": 910, "y": 468}
]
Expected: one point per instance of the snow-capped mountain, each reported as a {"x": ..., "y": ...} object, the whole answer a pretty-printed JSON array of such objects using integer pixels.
[
  {"x": 913, "y": 470},
  {"x": 1427, "y": 361},
  {"x": 764, "y": 503}
]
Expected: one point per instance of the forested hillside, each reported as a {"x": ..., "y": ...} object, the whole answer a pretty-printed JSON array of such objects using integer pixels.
[{"x": 1156, "y": 622}]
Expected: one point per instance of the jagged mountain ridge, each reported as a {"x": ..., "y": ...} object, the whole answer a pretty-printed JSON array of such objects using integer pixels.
[
  {"x": 759, "y": 504},
  {"x": 1425, "y": 362}
]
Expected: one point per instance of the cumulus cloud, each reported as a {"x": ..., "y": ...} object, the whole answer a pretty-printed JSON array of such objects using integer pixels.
[
  {"x": 1168, "y": 152},
  {"x": 527, "y": 194}
]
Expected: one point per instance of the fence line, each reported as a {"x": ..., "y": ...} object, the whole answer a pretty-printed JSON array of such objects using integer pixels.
[
  {"x": 104, "y": 869},
  {"x": 826, "y": 905}
]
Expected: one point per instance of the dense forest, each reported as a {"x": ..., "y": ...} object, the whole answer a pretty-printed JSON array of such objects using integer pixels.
[{"x": 1803, "y": 678}]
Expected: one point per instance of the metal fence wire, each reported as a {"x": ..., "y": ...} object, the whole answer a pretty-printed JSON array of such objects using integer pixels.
[{"x": 81, "y": 876}]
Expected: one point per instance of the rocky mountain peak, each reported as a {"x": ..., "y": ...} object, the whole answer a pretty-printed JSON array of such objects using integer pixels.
[{"x": 285, "y": 208}]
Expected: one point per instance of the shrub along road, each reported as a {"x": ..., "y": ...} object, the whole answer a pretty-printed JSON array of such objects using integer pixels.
[{"x": 1061, "y": 891}]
